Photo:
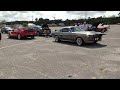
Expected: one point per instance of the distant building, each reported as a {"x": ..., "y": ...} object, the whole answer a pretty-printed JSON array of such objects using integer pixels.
[
  {"x": 53, "y": 24},
  {"x": 61, "y": 24}
]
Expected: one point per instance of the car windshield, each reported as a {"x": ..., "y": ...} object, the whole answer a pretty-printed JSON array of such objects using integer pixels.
[
  {"x": 75, "y": 29},
  {"x": 38, "y": 26}
]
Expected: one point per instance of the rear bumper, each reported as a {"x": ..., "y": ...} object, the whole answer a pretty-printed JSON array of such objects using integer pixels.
[{"x": 29, "y": 35}]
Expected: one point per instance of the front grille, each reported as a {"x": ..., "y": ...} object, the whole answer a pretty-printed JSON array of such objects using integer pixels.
[{"x": 99, "y": 36}]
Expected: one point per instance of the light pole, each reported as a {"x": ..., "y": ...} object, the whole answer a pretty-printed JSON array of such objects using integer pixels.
[
  {"x": 85, "y": 13},
  {"x": 32, "y": 17},
  {"x": 54, "y": 19}
]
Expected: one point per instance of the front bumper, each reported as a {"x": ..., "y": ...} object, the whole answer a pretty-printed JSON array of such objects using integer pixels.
[{"x": 93, "y": 38}]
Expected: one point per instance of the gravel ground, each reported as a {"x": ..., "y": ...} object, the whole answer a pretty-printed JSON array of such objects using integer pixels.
[{"x": 42, "y": 58}]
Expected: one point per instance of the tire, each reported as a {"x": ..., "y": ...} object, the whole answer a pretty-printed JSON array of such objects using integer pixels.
[
  {"x": 19, "y": 37},
  {"x": 57, "y": 39},
  {"x": 0, "y": 36},
  {"x": 104, "y": 30},
  {"x": 95, "y": 42},
  {"x": 32, "y": 37},
  {"x": 9, "y": 35},
  {"x": 79, "y": 41},
  {"x": 38, "y": 34}
]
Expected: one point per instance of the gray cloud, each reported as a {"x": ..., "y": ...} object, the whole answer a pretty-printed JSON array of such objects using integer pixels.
[
  {"x": 88, "y": 13},
  {"x": 82, "y": 12},
  {"x": 27, "y": 15},
  {"x": 19, "y": 15}
]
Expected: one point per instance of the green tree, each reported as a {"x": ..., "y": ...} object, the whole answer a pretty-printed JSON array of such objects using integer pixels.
[{"x": 24, "y": 24}]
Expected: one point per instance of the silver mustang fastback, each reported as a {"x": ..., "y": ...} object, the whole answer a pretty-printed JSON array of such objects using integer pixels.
[{"x": 74, "y": 33}]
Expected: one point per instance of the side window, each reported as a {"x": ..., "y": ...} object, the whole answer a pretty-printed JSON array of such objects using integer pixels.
[
  {"x": 72, "y": 29},
  {"x": 65, "y": 30}
]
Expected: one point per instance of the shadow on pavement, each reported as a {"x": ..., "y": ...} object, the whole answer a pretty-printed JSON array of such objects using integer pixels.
[
  {"x": 22, "y": 38},
  {"x": 87, "y": 45}
]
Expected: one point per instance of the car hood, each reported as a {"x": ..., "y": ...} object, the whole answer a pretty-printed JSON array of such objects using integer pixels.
[{"x": 88, "y": 32}]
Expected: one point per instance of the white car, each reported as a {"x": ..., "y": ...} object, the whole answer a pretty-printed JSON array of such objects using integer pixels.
[{"x": 6, "y": 29}]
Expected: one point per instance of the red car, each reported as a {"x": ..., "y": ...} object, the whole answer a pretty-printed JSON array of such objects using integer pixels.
[{"x": 22, "y": 32}]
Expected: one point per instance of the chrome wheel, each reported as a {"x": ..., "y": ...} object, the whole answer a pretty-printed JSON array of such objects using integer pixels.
[
  {"x": 9, "y": 36},
  {"x": 56, "y": 39},
  {"x": 19, "y": 36},
  {"x": 79, "y": 41}
]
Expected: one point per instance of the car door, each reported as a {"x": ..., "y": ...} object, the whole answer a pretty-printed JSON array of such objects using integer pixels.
[
  {"x": 72, "y": 35},
  {"x": 66, "y": 33}
]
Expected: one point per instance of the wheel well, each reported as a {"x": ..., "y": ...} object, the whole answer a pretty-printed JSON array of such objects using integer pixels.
[{"x": 80, "y": 37}]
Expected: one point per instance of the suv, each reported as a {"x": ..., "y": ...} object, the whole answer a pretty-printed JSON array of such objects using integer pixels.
[{"x": 40, "y": 30}]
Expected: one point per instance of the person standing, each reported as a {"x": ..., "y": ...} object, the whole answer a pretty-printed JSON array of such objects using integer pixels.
[{"x": 45, "y": 28}]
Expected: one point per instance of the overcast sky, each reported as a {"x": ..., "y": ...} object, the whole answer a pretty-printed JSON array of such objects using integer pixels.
[{"x": 31, "y": 15}]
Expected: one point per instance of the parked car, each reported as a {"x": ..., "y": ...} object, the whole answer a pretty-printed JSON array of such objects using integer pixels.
[
  {"x": 103, "y": 28},
  {"x": 0, "y": 36},
  {"x": 40, "y": 30},
  {"x": 22, "y": 32},
  {"x": 74, "y": 33},
  {"x": 6, "y": 29}
]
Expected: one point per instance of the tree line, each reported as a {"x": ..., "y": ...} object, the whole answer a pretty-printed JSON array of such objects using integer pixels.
[{"x": 39, "y": 21}]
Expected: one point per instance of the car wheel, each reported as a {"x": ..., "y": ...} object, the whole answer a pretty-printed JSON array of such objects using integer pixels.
[
  {"x": 32, "y": 37},
  {"x": 95, "y": 42},
  {"x": 19, "y": 36},
  {"x": 39, "y": 34},
  {"x": 57, "y": 39},
  {"x": 0, "y": 36},
  {"x": 103, "y": 30},
  {"x": 9, "y": 35},
  {"x": 79, "y": 41}
]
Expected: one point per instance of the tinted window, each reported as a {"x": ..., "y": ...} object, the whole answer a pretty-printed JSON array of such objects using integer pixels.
[
  {"x": 65, "y": 30},
  {"x": 75, "y": 29}
]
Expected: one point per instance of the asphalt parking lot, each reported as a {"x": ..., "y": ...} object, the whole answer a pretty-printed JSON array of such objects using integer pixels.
[{"x": 42, "y": 58}]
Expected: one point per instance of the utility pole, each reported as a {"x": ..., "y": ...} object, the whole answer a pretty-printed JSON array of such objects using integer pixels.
[
  {"x": 54, "y": 19},
  {"x": 32, "y": 17},
  {"x": 85, "y": 13}
]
